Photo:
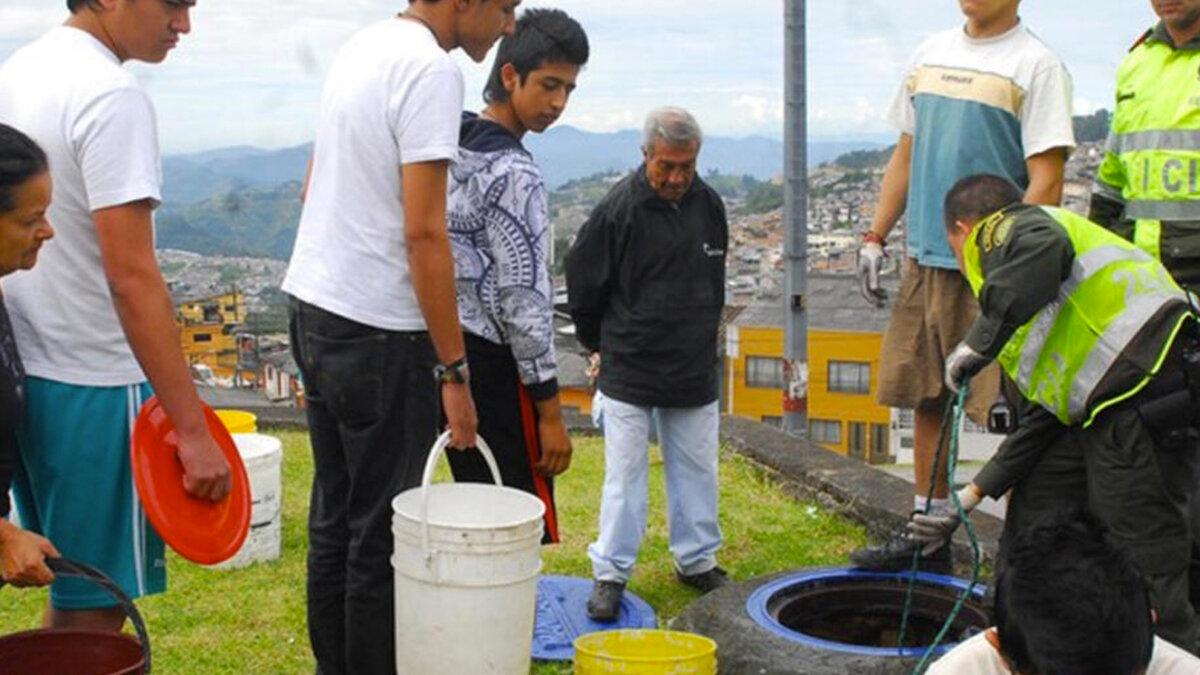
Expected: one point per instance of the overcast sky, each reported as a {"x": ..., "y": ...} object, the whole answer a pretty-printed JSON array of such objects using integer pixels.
[{"x": 250, "y": 72}]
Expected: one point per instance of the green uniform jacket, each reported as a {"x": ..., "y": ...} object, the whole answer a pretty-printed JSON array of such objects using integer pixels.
[
  {"x": 1148, "y": 187},
  {"x": 1023, "y": 267}
]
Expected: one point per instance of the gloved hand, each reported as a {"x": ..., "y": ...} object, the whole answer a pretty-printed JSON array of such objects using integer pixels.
[
  {"x": 935, "y": 529},
  {"x": 962, "y": 364},
  {"x": 870, "y": 262}
]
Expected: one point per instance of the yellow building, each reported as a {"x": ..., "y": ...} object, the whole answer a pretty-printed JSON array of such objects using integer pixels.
[
  {"x": 844, "y": 338},
  {"x": 209, "y": 328}
]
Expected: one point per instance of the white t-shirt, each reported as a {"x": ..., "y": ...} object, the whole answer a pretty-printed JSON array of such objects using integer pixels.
[
  {"x": 977, "y": 656},
  {"x": 69, "y": 93},
  {"x": 392, "y": 97}
]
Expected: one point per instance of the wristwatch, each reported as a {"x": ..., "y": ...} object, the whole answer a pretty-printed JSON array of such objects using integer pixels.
[{"x": 452, "y": 373}]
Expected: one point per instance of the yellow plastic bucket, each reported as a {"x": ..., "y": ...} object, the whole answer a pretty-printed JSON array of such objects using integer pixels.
[
  {"x": 645, "y": 652},
  {"x": 238, "y": 421}
]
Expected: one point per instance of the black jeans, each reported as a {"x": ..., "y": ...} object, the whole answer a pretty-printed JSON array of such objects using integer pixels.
[
  {"x": 372, "y": 415},
  {"x": 508, "y": 422}
]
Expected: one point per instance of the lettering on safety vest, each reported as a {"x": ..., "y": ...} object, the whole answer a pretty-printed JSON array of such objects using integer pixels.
[
  {"x": 1175, "y": 175},
  {"x": 1054, "y": 376}
]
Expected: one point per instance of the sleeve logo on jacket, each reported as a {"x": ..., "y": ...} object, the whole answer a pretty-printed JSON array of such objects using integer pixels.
[
  {"x": 995, "y": 231},
  {"x": 713, "y": 251}
]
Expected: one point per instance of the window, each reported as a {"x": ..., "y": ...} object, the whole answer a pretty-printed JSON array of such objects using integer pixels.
[
  {"x": 764, "y": 372},
  {"x": 201, "y": 337},
  {"x": 857, "y": 446},
  {"x": 825, "y": 431},
  {"x": 849, "y": 377},
  {"x": 879, "y": 444}
]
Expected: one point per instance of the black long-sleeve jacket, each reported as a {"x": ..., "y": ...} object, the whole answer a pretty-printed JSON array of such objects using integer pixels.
[{"x": 646, "y": 284}]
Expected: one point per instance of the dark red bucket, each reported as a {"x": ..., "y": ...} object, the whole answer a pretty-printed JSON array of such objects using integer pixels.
[
  {"x": 54, "y": 651},
  {"x": 70, "y": 652}
]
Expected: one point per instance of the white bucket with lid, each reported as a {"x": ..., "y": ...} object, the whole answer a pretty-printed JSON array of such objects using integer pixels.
[
  {"x": 467, "y": 558},
  {"x": 263, "y": 457}
]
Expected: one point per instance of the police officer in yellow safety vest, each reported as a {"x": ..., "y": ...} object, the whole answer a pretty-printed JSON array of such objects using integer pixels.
[
  {"x": 1148, "y": 187},
  {"x": 1100, "y": 342}
]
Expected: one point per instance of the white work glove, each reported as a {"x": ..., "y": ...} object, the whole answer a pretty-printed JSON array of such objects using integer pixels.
[
  {"x": 962, "y": 364},
  {"x": 870, "y": 262},
  {"x": 935, "y": 529}
]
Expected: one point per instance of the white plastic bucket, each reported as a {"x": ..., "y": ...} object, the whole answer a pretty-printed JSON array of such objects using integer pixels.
[
  {"x": 466, "y": 562},
  {"x": 263, "y": 456}
]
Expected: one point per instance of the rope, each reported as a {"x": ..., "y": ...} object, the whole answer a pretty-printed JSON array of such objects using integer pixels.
[
  {"x": 937, "y": 460},
  {"x": 954, "y": 412}
]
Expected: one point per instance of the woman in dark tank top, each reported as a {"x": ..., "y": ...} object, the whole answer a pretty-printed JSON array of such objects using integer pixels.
[{"x": 24, "y": 198}]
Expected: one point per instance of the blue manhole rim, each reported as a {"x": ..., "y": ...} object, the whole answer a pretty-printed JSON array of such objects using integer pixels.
[{"x": 756, "y": 607}]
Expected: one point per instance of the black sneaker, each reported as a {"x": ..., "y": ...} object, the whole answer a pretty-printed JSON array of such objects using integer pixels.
[
  {"x": 704, "y": 581},
  {"x": 896, "y": 555},
  {"x": 605, "y": 603}
]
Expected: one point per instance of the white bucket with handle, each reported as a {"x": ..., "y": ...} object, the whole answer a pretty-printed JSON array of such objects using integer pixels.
[{"x": 466, "y": 563}]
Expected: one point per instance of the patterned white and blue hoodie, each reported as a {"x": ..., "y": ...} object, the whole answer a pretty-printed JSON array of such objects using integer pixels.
[{"x": 500, "y": 235}]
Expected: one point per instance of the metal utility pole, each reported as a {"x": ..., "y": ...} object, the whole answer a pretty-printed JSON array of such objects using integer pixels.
[{"x": 795, "y": 188}]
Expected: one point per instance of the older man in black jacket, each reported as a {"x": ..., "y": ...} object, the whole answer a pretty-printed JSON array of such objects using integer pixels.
[{"x": 646, "y": 280}]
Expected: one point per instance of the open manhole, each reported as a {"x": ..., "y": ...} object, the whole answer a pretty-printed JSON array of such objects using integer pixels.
[{"x": 861, "y": 612}]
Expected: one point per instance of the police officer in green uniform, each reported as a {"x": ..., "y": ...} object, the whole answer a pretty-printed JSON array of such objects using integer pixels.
[
  {"x": 1148, "y": 186},
  {"x": 1095, "y": 335}
]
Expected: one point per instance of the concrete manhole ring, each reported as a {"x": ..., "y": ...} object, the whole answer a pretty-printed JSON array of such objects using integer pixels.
[{"x": 828, "y": 621}]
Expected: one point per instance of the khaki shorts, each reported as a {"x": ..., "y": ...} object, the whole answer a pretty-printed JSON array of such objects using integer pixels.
[{"x": 934, "y": 310}]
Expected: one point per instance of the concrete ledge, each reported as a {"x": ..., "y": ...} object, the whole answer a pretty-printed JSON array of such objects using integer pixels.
[
  {"x": 876, "y": 499},
  {"x": 277, "y": 417},
  {"x": 283, "y": 417}
]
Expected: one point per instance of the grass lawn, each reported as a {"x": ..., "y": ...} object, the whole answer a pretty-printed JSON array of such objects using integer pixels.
[{"x": 251, "y": 621}]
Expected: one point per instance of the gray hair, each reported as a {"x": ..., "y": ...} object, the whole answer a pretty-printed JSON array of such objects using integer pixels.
[{"x": 675, "y": 126}]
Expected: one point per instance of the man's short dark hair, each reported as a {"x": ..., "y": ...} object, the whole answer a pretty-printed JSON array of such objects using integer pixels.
[
  {"x": 1069, "y": 603},
  {"x": 977, "y": 196},
  {"x": 76, "y": 5},
  {"x": 541, "y": 36}
]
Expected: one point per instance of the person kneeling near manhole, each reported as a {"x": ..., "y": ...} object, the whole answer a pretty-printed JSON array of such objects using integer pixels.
[
  {"x": 1102, "y": 345},
  {"x": 1068, "y": 602}
]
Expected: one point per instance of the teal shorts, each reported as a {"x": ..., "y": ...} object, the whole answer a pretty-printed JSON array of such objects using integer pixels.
[{"x": 74, "y": 485}]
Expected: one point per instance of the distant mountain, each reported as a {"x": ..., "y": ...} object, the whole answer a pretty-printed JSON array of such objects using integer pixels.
[
  {"x": 564, "y": 153},
  {"x": 244, "y": 201},
  {"x": 254, "y": 222},
  {"x": 197, "y": 177}
]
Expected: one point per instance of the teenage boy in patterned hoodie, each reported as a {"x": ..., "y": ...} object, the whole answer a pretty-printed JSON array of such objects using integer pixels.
[{"x": 500, "y": 236}]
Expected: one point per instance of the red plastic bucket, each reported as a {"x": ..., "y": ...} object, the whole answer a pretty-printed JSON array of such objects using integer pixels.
[
  {"x": 70, "y": 652},
  {"x": 52, "y": 651}
]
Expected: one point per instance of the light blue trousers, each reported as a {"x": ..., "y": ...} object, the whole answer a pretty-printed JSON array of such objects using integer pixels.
[{"x": 688, "y": 438}]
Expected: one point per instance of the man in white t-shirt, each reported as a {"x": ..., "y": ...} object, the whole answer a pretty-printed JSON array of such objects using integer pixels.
[
  {"x": 94, "y": 321},
  {"x": 1068, "y": 602},
  {"x": 373, "y": 317},
  {"x": 985, "y": 97}
]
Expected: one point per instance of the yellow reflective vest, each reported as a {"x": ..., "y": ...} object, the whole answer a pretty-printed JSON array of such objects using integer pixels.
[
  {"x": 1060, "y": 356},
  {"x": 1152, "y": 159}
]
